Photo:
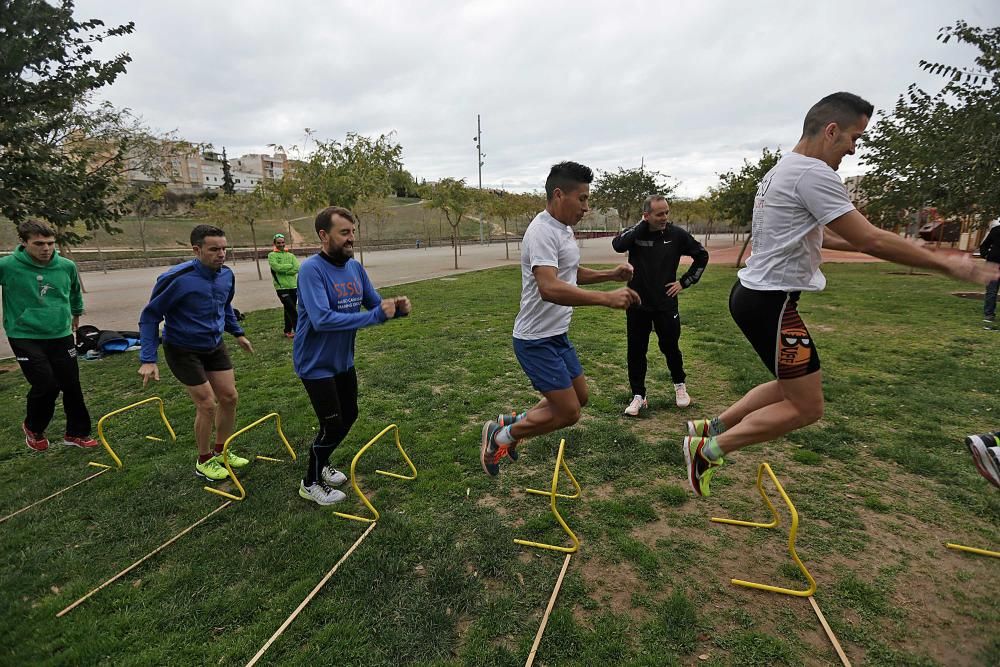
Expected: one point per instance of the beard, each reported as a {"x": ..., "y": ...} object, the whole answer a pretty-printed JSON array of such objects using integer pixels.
[{"x": 343, "y": 253}]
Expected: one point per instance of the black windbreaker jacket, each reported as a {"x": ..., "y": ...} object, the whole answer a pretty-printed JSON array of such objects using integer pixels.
[{"x": 655, "y": 256}]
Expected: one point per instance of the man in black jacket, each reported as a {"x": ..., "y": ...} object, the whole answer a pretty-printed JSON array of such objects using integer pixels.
[
  {"x": 654, "y": 249},
  {"x": 989, "y": 250}
]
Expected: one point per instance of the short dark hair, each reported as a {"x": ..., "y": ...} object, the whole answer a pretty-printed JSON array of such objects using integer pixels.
[
  {"x": 30, "y": 228},
  {"x": 324, "y": 219},
  {"x": 567, "y": 176},
  {"x": 840, "y": 108},
  {"x": 199, "y": 233},
  {"x": 647, "y": 203}
]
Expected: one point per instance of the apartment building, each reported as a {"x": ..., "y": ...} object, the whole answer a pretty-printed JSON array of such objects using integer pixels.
[{"x": 201, "y": 170}]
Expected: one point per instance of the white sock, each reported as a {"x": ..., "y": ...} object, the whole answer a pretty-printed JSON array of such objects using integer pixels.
[{"x": 503, "y": 437}]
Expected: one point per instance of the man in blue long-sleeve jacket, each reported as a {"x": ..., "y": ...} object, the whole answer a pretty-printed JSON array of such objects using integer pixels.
[
  {"x": 195, "y": 301},
  {"x": 333, "y": 287}
]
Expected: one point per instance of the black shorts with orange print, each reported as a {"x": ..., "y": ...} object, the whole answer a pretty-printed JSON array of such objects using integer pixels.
[{"x": 770, "y": 321}]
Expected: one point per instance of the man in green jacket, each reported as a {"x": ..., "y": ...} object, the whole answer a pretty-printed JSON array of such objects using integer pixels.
[
  {"x": 285, "y": 274},
  {"x": 42, "y": 304}
]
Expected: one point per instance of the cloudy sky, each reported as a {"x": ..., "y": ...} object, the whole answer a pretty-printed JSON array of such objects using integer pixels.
[{"x": 691, "y": 88}]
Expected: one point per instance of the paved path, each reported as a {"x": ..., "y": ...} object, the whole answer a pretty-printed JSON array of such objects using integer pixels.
[{"x": 114, "y": 300}]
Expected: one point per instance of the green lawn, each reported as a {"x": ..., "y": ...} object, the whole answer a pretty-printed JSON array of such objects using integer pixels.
[{"x": 880, "y": 484}]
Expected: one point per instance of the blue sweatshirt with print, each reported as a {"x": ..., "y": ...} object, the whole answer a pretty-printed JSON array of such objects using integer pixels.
[
  {"x": 196, "y": 303},
  {"x": 330, "y": 301}
]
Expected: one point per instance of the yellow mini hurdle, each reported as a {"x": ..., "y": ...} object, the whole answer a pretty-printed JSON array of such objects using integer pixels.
[
  {"x": 229, "y": 468},
  {"x": 775, "y": 520},
  {"x": 552, "y": 495},
  {"x": 354, "y": 478},
  {"x": 104, "y": 440}
]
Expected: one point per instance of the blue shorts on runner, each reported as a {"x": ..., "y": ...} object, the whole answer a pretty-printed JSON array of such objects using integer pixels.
[{"x": 550, "y": 363}]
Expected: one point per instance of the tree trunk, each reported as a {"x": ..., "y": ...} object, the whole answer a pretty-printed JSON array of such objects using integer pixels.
[
  {"x": 100, "y": 253},
  {"x": 739, "y": 260},
  {"x": 142, "y": 238},
  {"x": 454, "y": 245},
  {"x": 256, "y": 255},
  {"x": 506, "y": 241},
  {"x": 358, "y": 243},
  {"x": 64, "y": 251}
]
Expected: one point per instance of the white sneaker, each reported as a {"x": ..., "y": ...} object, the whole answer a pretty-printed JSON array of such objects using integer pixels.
[
  {"x": 332, "y": 476},
  {"x": 683, "y": 400},
  {"x": 320, "y": 493},
  {"x": 638, "y": 402}
]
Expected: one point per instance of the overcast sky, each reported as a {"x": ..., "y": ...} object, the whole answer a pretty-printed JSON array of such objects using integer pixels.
[{"x": 691, "y": 87}]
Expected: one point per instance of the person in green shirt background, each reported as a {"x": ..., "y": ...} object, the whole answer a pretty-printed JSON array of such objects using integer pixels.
[
  {"x": 285, "y": 274},
  {"x": 42, "y": 304}
]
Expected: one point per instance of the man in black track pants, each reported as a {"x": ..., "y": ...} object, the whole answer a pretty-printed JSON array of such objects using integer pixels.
[{"x": 654, "y": 248}]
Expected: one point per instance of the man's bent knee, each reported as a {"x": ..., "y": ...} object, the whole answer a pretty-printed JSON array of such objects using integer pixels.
[{"x": 228, "y": 398}]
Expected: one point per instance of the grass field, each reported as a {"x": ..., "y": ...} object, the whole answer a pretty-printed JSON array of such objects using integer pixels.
[{"x": 880, "y": 484}]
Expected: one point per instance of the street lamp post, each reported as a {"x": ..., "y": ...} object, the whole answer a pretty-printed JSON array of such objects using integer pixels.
[{"x": 479, "y": 151}]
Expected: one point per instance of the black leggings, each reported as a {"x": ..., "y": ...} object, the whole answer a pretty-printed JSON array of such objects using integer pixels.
[
  {"x": 335, "y": 400},
  {"x": 50, "y": 366},
  {"x": 288, "y": 298},
  {"x": 638, "y": 324}
]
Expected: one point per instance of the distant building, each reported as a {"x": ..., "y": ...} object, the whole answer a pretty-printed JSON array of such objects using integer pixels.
[
  {"x": 198, "y": 171},
  {"x": 854, "y": 191}
]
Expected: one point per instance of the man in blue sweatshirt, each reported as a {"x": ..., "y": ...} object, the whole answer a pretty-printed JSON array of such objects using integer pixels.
[
  {"x": 195, "y": 301},
  {"x": 333, "y": 287}
]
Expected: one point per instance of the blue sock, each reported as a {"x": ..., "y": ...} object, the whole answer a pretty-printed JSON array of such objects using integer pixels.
[{"x": 716, "y": 427}]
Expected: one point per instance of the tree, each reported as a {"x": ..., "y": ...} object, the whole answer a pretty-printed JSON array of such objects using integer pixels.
[
  {"x": 941, "y": 149},
  {"x": 690, "y": 211},
  {"x": 455, "y": 200},
  {"x": 60, "y": 158},
  {"x": 145, "y": 200},
  {"x": 346, "y": 173},
  {"x": 240, "y": 208},
  {"x": 228, "y": 187},
  {"x": 624, "y": 190},
  {"x": 503, "y": 205},
  {"x": 732, "y": 199},
  {"x": 403, "y": 183}
]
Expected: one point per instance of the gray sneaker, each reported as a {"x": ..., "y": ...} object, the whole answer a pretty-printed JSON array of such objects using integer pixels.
[
  {"x": 984, "y": 449},
  {"x": 320, "y": 493},
  {"x": 332, "y": 477}
]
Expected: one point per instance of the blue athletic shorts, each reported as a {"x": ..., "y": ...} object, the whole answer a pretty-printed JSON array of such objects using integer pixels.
[{"x": 550, "y": 363}]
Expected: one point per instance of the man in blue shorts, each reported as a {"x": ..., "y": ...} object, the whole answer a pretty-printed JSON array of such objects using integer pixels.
[
  {"x": 550, "y": 273},
  {"x": 801, "y": 206}
]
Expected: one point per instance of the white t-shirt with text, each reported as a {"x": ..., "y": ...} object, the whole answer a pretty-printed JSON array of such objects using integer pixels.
[
  {"x": 546, "y": 242},
  {"x": 794, "y": 201}
]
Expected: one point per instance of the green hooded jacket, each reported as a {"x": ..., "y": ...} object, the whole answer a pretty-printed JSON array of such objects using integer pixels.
[
  {"x": 284, "y": 269},
  {"x": 39, "y": 300}
]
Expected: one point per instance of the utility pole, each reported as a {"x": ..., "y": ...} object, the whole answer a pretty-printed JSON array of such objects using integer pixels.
[{"x": 479, "y": 151}]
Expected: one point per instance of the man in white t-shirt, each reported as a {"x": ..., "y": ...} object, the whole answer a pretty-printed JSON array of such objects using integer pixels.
[
  {"x": 801, "y": 207},
  {"x": 550, "y": 273}
]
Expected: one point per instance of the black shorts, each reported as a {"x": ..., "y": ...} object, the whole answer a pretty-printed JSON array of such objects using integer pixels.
[
  {"x": 771, "y": 322},
  {"x": 190, "y": 366}
]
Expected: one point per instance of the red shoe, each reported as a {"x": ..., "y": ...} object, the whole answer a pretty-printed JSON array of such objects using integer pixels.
[
  {"x": 84, "y": 441},
  {"x": 34, "y": 441},
  {"x": 290, "y": 334}
]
